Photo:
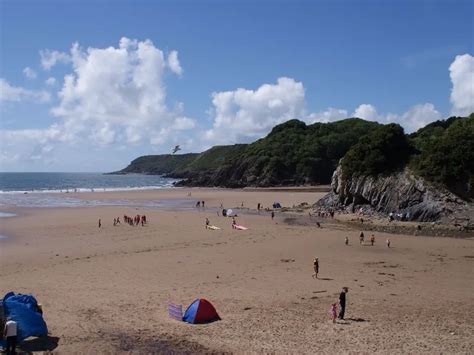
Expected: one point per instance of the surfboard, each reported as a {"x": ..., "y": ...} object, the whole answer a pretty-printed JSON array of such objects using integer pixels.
[
  {"x": 237, "y": 226},
  {"x": 213, "y": 227}
]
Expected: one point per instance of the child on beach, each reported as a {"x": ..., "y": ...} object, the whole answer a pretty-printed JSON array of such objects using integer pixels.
[
  {"x": 333, "y": 312},
  {"x": 207, "y": 222},
  {"x": 316, "y": 267}
]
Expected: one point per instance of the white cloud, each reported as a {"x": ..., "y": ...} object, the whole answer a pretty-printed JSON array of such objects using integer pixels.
[
  {"x": 50, "y": 81},
  {"x": 330, "y": 115},
  {"x": 118, "y": 94},
  {"x": 416, "y": 117},
  {"x": 27, "y": 144},
  {"x": 29, "y": 73},
  {"x": 50, "y": 58},
  {"x": 17, "y": 94},
  {"x": 173, "y": 63},
  {"x": 461, "y": 72},
  {"x": 243, "y": 115},
  {"x": 367, "y": 112}
]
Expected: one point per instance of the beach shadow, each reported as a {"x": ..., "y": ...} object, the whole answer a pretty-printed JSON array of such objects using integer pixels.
[
  {"x": 325, "y": 279},
  {"x": 46, "y": 343},
  {"x": 357, "y": 319}
]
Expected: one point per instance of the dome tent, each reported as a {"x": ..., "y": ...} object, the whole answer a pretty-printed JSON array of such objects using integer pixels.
[
  {"x": 24, "y": 310},
  {"x": 200, "y": 311}
]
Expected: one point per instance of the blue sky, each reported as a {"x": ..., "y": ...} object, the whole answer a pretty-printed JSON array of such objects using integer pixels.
[{"x": 228, "y": 72}]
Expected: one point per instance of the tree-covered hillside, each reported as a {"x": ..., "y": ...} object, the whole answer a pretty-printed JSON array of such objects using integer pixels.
[
  {"x": 295, "y": 153},
  {"x": 158, "y": 164}
]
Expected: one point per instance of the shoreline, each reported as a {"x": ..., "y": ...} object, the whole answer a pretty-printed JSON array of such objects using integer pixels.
[{"x": 181, "y": 199}]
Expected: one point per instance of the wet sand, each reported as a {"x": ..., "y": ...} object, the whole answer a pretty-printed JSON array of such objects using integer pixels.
[{"x": 107, "y": 289}]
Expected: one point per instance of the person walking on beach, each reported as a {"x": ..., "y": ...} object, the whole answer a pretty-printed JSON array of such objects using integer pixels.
[
  {"x": 234, "y": 223},
  {"x": 346, "y": 241},
  {"x": 333, "y": 312},
  {"x": 10, "y": 333},
  {"x": 118, "y": 220},
  {"x": 361, "y": 238},
  {"x": 207, "y": 223},
  {"x": 202, "y": 203},
  {"x": 342, "y": 302},
  {"x": 315, "y": 268},
  {"x": 100, "y": 223},
  {"x": 388, "y": 243},
  {"x": 273, "y": 215},
  {"x": 372, "y": 240}
]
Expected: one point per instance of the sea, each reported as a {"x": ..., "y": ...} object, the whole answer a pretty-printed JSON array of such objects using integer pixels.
[{"x": 55, "y": 189}]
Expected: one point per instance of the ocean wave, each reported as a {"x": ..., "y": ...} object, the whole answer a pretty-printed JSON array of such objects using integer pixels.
[{"x": 91, "y": 189}]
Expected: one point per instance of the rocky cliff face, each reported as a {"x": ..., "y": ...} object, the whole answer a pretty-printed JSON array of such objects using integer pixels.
[{"x": 400, "y": 192}]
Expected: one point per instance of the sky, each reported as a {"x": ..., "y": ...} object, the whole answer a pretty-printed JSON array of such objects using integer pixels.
[{"x": 91, "y": 85}]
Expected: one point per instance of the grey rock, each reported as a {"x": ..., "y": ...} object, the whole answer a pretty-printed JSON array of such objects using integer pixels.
[{"x": 401, "y": 193}]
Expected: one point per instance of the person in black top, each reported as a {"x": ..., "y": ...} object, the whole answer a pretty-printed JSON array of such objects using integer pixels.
[{"x": 342, "y": 302}]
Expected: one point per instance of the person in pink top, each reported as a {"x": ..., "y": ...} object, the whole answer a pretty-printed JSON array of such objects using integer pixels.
[{"x": 333, "y": 311}]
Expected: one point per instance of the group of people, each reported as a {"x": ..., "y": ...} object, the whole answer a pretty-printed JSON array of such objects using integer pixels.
[
  {"x": 398, "y": 216},
  {"x": 200, "y": 204},
  {"x": 134, "y": 220},
  {"x": 372, "y": 240},
  {"x": 342, "y": 296}
]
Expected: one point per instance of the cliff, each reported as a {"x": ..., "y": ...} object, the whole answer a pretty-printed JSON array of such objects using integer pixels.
[{"x": 401, "y": 192}]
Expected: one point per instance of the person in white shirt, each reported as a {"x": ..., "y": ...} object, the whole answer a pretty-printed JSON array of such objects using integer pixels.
[{"x": 10, "y": 333}]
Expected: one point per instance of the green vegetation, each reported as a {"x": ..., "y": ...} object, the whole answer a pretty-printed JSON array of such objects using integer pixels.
[
  {"x": 158, "y": 164},
  {"x": 384, "y": 150},
  {"x": 295, "y": 153},
  {"x": 213, "y": 158},
  {"x": 446, "y": 155}
]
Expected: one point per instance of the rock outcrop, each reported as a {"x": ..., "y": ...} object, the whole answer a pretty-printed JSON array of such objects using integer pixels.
[{"x": 401, "y": 193}]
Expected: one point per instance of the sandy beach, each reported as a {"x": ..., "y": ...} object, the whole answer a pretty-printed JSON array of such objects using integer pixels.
[{"x": 106, "y": 290}]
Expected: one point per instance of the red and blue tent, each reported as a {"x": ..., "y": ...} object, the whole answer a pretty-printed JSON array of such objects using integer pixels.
[{"x": 200, "y": 311}]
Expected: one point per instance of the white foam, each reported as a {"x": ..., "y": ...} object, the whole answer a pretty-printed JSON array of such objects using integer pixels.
[{"x": 95, "y": 189}]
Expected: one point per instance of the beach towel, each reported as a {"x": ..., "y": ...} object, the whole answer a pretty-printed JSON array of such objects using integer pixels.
[{"x": 242, "y": 228}]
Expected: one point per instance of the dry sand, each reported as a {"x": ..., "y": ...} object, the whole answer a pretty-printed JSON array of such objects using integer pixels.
[{"x": 107, "y": 289}]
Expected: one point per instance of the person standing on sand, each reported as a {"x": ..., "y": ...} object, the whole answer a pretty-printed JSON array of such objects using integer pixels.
[
  {"x": 342, "y": 302},
  {"x": 333, "y": 312},
  {"x": 10, "y": 333},
  {"x": 100, "y": 223},
  {"x": 372, "y": 240},
  {"x": 273, "y": 215},
  {"x": 388, "y": 243},
  {"x": 346, "y": 241},
  {"x": 315, "y": 268},
  {"x": 207, "y": 222},
  {"x": 361, "y": 238}
]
